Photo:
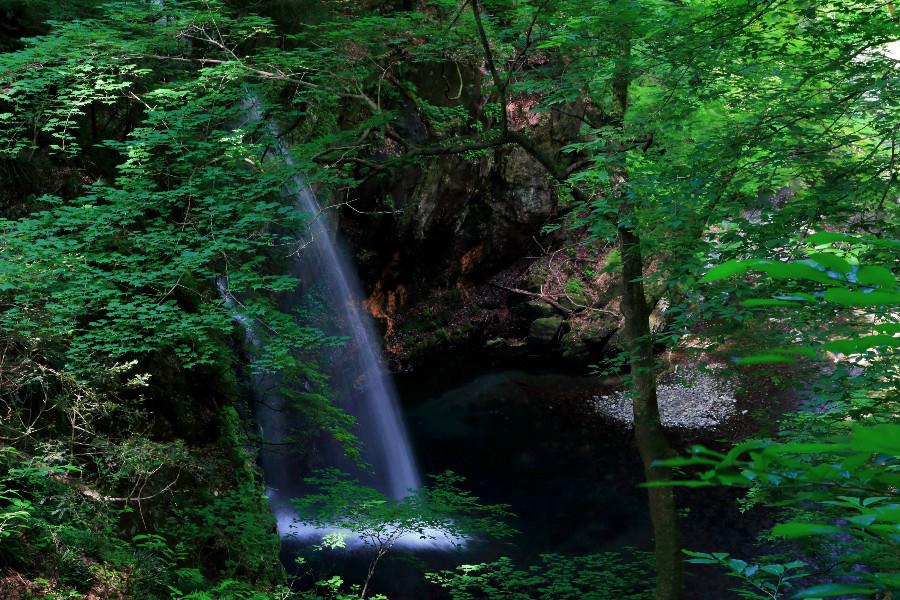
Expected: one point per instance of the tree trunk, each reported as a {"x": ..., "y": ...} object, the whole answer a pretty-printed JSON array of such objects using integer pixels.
[
  {"x": 648, "y": 430},
  {"x": 378, "y": 554},
  {"x": 649, "y": 433}
]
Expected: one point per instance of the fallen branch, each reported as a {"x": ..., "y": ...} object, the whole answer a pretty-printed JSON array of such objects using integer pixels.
[{"x": 542, "y": 297}]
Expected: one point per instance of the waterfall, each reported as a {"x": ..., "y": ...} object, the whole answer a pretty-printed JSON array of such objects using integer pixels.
[
  {"x": 358, "y": 376},
  {"x": 373, "y": 399}
]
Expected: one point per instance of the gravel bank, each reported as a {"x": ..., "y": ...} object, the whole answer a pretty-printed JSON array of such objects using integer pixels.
[{"x": 691, "y": 399}]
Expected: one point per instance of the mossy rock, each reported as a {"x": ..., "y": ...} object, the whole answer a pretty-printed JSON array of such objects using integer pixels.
[
  {"x": 538, "y": 309},
  {"x": 546, "y": 331},
  {"x": 596, "y": 335},
  {"x": 573, "y": 347},
  {"x": 578, "y": 346},
  {"x": 535, "y": 279},
  {"x": 575, "y": 301}
]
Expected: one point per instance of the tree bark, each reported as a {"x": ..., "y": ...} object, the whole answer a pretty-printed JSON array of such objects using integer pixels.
[{"x": 648, "y": 430}]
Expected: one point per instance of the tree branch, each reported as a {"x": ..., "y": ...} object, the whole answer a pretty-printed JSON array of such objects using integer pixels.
[
  {"x": 541, "y": 297},
  {"x": 492, "y": 67}
]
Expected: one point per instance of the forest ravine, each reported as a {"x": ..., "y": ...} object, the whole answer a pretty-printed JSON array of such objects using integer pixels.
[{"x": 467, "y": 299}]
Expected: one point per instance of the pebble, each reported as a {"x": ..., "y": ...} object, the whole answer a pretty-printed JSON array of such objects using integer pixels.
[{"x": 696, "y": 400}]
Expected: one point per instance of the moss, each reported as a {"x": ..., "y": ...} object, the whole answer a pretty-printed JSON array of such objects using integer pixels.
[
  {"x": 546, "y": 331},
  {"x": 536, "y": 277},
  {"x": 574, "y": 286},
  {"x": 234, "y": 440},
  {"x": 613, "y": 261}
]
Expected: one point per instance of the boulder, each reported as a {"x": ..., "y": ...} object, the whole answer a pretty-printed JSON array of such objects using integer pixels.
[
  {"x": 536, "y": 277},
  {"x": 578, "y": 346},
  {"x": 575, "y": 301},
  {"x": 546, "y": 331},
  {"x": 538, "y": 309},
  {"x": 573, "y": 347}
]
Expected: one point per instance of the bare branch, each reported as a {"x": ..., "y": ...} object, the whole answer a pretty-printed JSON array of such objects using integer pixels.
[{"x": 492, "y": 67}]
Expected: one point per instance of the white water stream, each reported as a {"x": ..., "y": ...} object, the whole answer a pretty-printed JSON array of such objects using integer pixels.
[{"x": 358, "y": 376}]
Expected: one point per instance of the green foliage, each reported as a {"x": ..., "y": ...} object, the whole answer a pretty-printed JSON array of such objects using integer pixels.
[
  {"x": 15, "y": 511},
  {"x": 760, "y": 582},
  {"x": 441, "y": 510},
  {"x": 188, "y": 201},
  {"x": 837, "y": 470},
  {"x": 438, "y": 510},
  {"x": 608, "y": 576},
  {"x": 854, "y": 474},
  {"x": 235, "y": 524},
  {"x": 58, "y": 519},
  {"x": 574, "y": 286},
  {"x": 334, "y": 588},
  {"x": 152, "y": 187}
]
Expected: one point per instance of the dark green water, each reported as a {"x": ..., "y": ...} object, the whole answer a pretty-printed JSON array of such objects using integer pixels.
[{"x": 527, "y": 437}]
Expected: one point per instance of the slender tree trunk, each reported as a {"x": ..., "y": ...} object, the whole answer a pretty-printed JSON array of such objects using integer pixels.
[
  {"x": 648, "y": 430},
  {"x": 378, "y": 554},
  {"x": 651, "y": 438}
]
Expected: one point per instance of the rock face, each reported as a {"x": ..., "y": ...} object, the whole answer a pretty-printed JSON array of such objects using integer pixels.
[
  {"x": 458, "y": 222},
  {"x": 559, "y": 300},
  {"x": 445, "y": 247},
  {"x": 454, "y": 220},
  {"x": 474, "y": 217},
  {"x": 522, "y": 192}
]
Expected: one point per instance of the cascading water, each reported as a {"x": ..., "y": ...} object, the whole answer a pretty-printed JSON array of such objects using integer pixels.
[
  {"x": 371, "y": 398},
  {"x": 357, "y": 373}
]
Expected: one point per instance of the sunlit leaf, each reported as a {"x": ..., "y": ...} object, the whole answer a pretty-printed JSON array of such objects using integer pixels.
[
  {"x": 832, "y": 262},
  {"x": 792, "y": 271},
  {"x": 758, "y": 302},
  {"x": 857, "y": 345},
  {"x": 847, "y": 297},
  {"x": 758, "y": 359},
  {"x": 876, "y": 275},
  {"x": 835, "y": 589},
  {"x": 796, "y": 530},
  {"x": 725, "y": 270},
  {"x": 877, "y": 438}
]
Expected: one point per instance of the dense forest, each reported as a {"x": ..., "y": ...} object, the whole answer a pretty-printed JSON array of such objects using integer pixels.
[{"x": 451, "y": 299}]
